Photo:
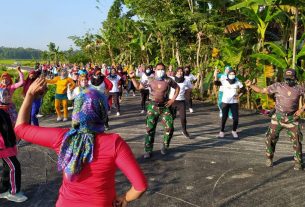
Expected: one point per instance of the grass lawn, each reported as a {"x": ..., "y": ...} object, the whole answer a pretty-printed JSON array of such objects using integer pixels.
[{"x": 30, "y": 63}]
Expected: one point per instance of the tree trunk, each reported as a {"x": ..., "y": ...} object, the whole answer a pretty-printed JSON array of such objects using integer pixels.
[
  {"x": 295, "y": 38},
  {"x": 178, "y": 54},
  {"x": 198, "y": 48}
]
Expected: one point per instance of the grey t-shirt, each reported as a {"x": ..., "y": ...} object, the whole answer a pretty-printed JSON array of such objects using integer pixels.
[{"x": 287, "y": 98}]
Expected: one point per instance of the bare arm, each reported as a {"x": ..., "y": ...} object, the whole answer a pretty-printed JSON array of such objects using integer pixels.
[
  {"x": 136, "y": 83},
  {"x": 21, "y": 80},
  {"x": 256, "y": 88}
]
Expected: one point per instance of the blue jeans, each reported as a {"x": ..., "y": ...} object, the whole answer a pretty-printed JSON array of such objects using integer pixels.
[{"x": 35, "y": 109}]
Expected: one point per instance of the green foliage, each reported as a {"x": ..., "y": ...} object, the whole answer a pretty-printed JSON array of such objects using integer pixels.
[{"x": 19, "y": 53}]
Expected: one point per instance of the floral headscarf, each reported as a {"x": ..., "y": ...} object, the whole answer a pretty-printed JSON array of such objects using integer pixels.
[{"x": 88, "y": 118}]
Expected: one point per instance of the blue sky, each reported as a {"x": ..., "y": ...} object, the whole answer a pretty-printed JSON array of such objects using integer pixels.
[{"x": 35, "y": 23}]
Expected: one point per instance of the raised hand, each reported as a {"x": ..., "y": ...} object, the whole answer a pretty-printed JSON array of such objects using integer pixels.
[
  {"x": 131, "y": 74},
  {"x": 37, "y": 87},
  {"x": 248, "y": 83}
]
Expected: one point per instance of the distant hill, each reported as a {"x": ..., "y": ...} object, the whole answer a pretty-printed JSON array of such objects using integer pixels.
[{"x": 19, "y": 53}]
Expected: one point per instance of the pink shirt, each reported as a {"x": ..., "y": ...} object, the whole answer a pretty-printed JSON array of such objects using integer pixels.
[{"x": 95, "y": 185}]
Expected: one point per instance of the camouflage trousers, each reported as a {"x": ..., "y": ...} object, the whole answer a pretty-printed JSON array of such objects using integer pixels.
[
  {"x": 153, "y": 114},
  {"x": 279, "y": 122}
]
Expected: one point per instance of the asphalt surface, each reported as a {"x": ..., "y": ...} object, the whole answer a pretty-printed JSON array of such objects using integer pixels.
[{"x": 201, "y": 172}]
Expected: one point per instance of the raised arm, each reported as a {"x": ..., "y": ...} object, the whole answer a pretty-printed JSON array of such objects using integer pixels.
[
  {"x": 71, "y": 83},
  {"x": 256, "y": 88},
  {"x": 48, "y": 137},
  {"x": 136, "y": 83},
  {"x": 21, "y": 80},
  {"x": 53, "y": 81}
]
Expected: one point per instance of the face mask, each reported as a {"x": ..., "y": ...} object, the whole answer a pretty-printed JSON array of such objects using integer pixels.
[
  {"x": 290, "y": 82},
  {"x": 148, "y": 72},
  {"x": 113, "y": 76},
  {"x": 160, "y": 74},
  {"x": 231, "y": 77}
]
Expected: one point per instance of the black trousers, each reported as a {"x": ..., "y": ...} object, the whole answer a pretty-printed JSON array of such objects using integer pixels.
[
  {"x": 10, "y": 175},
  {"x": 144, "y": 98},
  {"x": 116, "y": 101},
  {"x": 180, "y": 106},
  {"x": 225, "y": 113},
  {"x": 188, "y": 98}
]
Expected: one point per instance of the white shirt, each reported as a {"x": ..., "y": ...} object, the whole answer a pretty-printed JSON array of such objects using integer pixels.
[
  {"x": 230, "y": 90},
  {"x": 143, "y": 78},
  {"x": 72, "y": 94},
  {"x": 115, "y": 84},
  {"x": 191, "y": 78},
  {"x": 183, "y": 87}
]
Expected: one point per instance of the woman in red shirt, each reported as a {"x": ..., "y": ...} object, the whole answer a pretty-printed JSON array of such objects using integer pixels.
[{"x": 87, "y": 156}]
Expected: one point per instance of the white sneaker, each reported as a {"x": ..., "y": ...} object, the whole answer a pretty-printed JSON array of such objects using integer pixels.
[
  {"x": 109, "y": 112},
  {"x": 18, "y": 197},
  {"x": 70, "y": 108},
  {"x": 39, "y": 115},
  {"x": 234, "y": 133},
  {"x": 118, "y": 113},
  {"x": 221, "y": 135},
  {"x": 58, "y": 118},
  {"x": 142, "y": 112},
  {"x": 65, "y": 119},
  {"x": 191, "y": 110},
  {"x": 133, "y": 94}
]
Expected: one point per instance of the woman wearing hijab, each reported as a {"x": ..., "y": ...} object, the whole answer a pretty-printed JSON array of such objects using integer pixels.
[
  {"x": 37, "y": 102},
  {"x": 62, "y": 82},
  {"x": 179, "y": 103},
  {"x": 87, "y": 156},
  {"x": 114, "y": 93},
  {"x": 144, "y": 75},
  {"x": 10, "y": 183},
  {"x": 7, "y": 83},
  {"x": 230, "y": 98}
]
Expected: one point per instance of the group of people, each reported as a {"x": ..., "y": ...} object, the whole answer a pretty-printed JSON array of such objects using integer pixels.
[
  {"x": 88, "y": 156},
  {"x": 286, "y": 114}
]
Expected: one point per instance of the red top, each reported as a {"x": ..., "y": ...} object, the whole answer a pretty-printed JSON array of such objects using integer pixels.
[{"x": 95, "y": 185}]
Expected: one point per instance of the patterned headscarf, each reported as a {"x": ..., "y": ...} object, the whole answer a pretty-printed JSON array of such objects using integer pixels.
[
  {"x": 88, "y": 118},
  {"x": 7, "y": 76}
]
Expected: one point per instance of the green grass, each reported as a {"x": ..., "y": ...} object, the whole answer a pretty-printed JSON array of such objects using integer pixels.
[{"x": 30, "y": 63}]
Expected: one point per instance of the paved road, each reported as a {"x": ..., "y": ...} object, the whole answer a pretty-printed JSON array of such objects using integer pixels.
[{"x": 201, "y": 172}]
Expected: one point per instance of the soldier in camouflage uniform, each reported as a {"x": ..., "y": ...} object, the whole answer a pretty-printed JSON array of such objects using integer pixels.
[
  {"x": 159, "y": 106},
  {"x": 286, "y": 116}
]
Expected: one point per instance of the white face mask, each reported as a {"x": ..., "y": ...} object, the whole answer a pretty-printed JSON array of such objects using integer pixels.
[
  {"x": 231, "y": 77},
  {"x": 160, "y": 73}
]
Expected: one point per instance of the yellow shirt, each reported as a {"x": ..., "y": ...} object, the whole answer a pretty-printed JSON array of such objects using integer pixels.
[{"x": 62, "y": 84}]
